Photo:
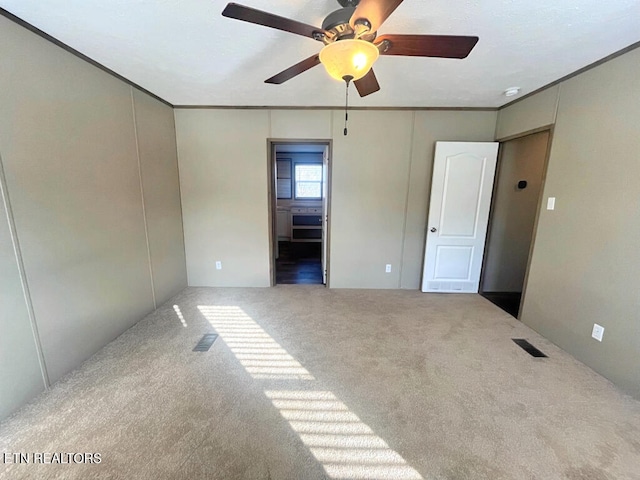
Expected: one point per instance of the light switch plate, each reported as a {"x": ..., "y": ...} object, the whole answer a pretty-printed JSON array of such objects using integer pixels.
[
  {"x": 551, "y": 203},
  {"x": 598, "y": 331}
]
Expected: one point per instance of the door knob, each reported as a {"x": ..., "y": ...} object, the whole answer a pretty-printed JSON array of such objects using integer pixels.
[{"x": 433, "y": 229}]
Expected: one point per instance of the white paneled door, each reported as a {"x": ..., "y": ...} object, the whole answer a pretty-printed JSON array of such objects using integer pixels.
[{"x": 461, "y": 190}]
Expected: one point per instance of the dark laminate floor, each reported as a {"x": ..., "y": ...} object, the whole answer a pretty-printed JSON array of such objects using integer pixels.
[
  {"x": 299, "y": 262},
  {"x": 508, "y": 301}
]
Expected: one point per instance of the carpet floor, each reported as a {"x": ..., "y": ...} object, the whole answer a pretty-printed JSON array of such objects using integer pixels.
[{"x": 308, "y": 383}]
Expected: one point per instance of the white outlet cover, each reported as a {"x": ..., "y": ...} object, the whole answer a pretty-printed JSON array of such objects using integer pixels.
[
  {"x": 218, "y": 265},
  {"x": 597, "y": 332},
  {"x": 387, "y": 268}
]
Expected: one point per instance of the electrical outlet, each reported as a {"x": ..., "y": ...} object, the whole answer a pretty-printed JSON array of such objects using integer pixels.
[
  {"x": 387, "y": 269},
  {"x": 218, "y": 265},
  {"x": 598, "y": 331}
]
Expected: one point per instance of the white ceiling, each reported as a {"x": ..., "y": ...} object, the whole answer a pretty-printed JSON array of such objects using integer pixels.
[{"x": 187, "y": 53}]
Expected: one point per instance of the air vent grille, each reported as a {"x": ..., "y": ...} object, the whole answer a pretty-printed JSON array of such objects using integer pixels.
[
  {"x": 205, "y": 342},
  {"x": 527, "y": 347}
]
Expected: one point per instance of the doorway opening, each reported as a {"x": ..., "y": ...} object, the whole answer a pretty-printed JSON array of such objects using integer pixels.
[
  {"x": 299, "y": 186},
  {"x": 514, "y": 210}
]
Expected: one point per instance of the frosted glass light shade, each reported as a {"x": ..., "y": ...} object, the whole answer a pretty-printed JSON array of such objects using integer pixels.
[{"x": 348, "y": 58}]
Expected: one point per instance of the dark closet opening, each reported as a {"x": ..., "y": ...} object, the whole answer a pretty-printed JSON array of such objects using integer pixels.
[{"x": 514, "y": 209}]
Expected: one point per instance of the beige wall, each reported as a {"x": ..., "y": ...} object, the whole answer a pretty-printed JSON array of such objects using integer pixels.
[
  {"x": 156, "y": 136},
  {"x": 302, "y": 124},
  {"x": 73, "y": 176},
  {"x": 528, "y": 114},
  {"x": 370, "y": 174},
  {"x": 513, "y": 212},
  {"x": 585, "y": 263},
  {"x": 20, "y": 374},
  {"x": 380, "y": 183},
  {"x": 223, "y": 179}
]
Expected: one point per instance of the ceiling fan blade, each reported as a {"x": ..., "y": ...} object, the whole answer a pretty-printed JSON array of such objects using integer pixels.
[
  {"x": 444, "y": 46},
  {"x": 374, "y": 11},
  {"x": 367, "y": 84},
  {"x": 251, "y": 15},
  {"x": 294, "y": 70}
]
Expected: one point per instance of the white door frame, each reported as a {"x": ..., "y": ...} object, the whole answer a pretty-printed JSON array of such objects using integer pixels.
[
  {"x": 546, "y": 128},
  {"x": 273, "y": 233},
  {"x": 326, "y": 159}
]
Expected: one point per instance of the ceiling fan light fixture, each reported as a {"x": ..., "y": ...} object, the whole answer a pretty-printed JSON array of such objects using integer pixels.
[{"x": 350, "y": 58}]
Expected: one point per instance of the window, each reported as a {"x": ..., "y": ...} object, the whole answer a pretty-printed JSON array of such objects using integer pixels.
[{"x": 308, "y": 180}]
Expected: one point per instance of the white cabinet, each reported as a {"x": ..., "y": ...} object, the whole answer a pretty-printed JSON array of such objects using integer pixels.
[
  {"x": 283, "y": 224},
  {"x": 306, "y": 224}
]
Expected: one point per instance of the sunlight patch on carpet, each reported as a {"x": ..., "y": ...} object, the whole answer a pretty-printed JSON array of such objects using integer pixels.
[
  {"x": 176, "y": 309},
  {"x": 268, "y": 360},
  {"x": 345, "y": 446}
]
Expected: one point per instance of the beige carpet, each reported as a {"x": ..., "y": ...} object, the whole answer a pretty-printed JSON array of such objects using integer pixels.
[{"x": 309, "y": 383}]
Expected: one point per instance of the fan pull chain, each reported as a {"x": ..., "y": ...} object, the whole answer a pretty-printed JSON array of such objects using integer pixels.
[{"x": 347, "y": 79}]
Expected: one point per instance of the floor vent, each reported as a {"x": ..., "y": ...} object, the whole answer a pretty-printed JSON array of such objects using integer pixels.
[
  {"x": 205, "y": 342},
  {"x": 527, "y": 347}
]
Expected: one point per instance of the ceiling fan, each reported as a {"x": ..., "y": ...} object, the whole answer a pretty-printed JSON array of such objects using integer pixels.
[{"x": 351, "y": 42}]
